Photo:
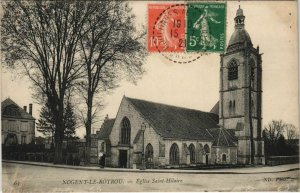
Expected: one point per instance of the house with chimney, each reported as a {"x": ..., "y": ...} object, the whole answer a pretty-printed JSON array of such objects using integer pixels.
[{"x": 17, "y": 124}]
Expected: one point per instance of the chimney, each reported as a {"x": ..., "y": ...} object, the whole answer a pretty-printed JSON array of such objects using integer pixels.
[
  {"x": 25, "y": 108},
  {"x": 30, "y": 109}
]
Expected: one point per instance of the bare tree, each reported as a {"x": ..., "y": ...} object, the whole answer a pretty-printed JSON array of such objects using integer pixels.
[
  {"x": 273, "y": 130},
  {"x": 42, "y": 38},
  {"x": 112, "y": 48},
  {"x": 291, "y": 133}
]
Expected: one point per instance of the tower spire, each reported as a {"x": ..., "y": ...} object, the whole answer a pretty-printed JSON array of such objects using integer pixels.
[{"x": 239, "y": 19}]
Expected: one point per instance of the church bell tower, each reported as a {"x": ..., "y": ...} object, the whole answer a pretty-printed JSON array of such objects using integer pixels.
[{"x": 241, "y": 93}]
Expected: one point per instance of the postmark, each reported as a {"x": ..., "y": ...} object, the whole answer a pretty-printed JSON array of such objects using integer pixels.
[
  {"x": 171, "y": 34},
  {"x": 166, "y": 28}
]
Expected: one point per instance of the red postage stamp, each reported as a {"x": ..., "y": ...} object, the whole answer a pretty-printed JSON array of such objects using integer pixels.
[{"x": 166, "y": 28}]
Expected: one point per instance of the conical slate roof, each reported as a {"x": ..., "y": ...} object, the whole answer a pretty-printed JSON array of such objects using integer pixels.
[
  {"x": 222, "y": 138},
  {"x": 240, "y": 36}
]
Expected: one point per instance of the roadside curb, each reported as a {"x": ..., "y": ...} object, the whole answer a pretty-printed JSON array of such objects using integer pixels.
[{"x": 143, "y": 171}]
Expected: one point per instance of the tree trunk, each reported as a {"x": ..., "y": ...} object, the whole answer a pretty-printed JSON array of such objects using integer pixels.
[
  {"x": 88, "y": 127},
  {"x": 59, "y": 130},
  {"x": 58, "y": 141},
  {"x": 58, "y": 152}
]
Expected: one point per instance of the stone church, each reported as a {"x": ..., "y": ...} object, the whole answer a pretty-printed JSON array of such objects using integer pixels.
[{"x": 153, "y": 135}]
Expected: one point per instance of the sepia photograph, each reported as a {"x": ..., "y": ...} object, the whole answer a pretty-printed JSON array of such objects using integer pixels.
[{"x": 149, "y": 96}]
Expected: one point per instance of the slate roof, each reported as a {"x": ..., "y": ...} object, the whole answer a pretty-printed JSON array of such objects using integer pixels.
[
  {"x": 106, "y": 128},
  {"x": 222, "y": 138},
  {"x": 232, "y": 134},
  {"x": 176, "y": 122},
  {"x": 10, "y": 109},
  {"x": 239, "y": 36},
  {"x": 215, "y": 109}
]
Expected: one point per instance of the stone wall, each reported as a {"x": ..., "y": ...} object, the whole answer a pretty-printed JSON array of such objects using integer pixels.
[
  {"x": 126, "y": 109},
  {"x": 184, "y": 157},
  {"x": 229, "y": 152}
]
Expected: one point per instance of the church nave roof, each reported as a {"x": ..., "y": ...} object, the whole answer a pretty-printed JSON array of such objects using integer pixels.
[{"x": 176, "y": 122}]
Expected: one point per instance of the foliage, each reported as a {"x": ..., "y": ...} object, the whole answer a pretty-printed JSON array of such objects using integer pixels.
[
  {"x": 275, "y": 142},
  {"x": 112, "y": 49},
  {"x": 60, "y": 44},
  {"x": 291, "y": 133},
  {"x": 41, "y": 39},
  {"x": 70, "y": 121},
  {"x": 46, "y": 123}
]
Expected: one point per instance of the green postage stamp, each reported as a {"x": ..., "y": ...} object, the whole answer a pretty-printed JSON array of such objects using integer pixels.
[{"x": 206, "y": 27}]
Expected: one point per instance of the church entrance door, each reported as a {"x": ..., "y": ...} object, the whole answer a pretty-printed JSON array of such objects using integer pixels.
[
  {"x": 206, "y": 159},
  {"x": 123, "y": 158}
]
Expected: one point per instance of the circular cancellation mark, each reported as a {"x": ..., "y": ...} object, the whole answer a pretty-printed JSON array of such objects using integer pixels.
[{"x": 169, "y": 34}]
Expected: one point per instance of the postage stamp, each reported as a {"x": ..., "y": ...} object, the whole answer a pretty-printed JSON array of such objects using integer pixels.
[
  {"x": 166, "y": 28},
  {"x": 206, "y": 27},
  {"x": 186, "y": 27},
  {"x": 173, "y": 110}
]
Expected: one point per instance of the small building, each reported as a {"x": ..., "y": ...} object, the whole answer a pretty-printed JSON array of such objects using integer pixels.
[
  {"x": 17, "y": 125},
  {"x": 104, "y": 144}
]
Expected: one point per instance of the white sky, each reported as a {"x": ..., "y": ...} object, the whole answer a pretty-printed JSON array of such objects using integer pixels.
[{"x": 271, "y": 25}]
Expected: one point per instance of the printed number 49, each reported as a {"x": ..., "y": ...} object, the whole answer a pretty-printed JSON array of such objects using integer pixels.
[{"x": 193, "y": 41}]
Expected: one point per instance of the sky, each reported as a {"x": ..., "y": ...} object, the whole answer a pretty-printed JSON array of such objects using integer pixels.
[{"x": 271, "y": 24}]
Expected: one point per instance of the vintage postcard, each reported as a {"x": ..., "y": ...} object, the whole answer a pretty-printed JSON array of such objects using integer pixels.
[{"x": 149, "y": 96}]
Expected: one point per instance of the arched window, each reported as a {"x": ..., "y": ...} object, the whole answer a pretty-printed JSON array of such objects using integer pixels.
[
  {"x": 125, "y": 131},
  {"x": 230, "y": 107},
  {"x": 224, "y": 158},
  {"x": 174, "y": 154},
  {"x": 206, "y": 149},
  {"x": 149, "y": 153},
  {"x": 192, "y": 153},
  {"x": 233, "y": 70},
  {"x": 233, "y": 106}
]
